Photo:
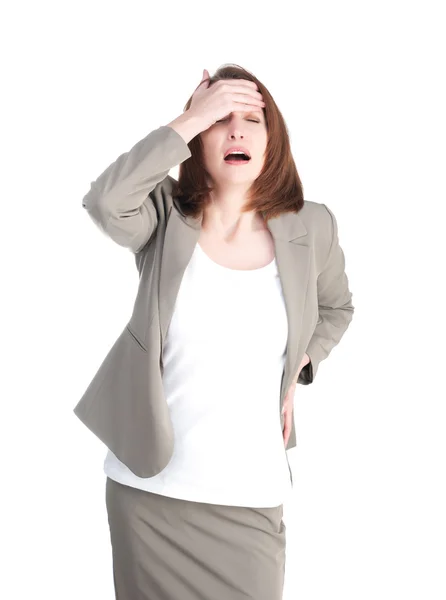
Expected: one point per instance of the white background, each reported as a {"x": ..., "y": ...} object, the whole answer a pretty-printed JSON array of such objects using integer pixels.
[{"x": 360, "y": 86}]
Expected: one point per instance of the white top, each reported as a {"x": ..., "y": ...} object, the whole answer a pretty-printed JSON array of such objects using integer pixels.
[{"x": 223, "y": 359}]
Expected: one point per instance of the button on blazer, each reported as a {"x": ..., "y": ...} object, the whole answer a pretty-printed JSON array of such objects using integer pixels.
[{"x": 132, "y": 203}]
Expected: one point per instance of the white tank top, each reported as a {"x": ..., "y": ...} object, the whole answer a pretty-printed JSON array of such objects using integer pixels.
[{"x": 223, "y": 360}]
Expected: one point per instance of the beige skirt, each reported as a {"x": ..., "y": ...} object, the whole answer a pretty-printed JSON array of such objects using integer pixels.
[{"x": 172, "y": 549}]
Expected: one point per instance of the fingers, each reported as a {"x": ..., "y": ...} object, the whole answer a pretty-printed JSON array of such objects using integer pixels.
[
  {"x": 237, "y": 82},
  {"x": 247, "y": 99},
  {"x": 240, "y": 86},
  {"x": 237, "y": 88},
  {"x": 288, "y": 412},
  {"x": 286, "y": 427},
  {"x": 286, "y": 433}
]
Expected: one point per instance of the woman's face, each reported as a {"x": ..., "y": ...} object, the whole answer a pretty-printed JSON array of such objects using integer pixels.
[{"x": 246, "y": 129}]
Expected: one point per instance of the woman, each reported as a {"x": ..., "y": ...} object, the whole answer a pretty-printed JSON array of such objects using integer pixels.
[{"x": 242, "y": 293}]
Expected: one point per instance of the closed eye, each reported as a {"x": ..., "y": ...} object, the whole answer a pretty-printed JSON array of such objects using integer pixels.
[{"x": 252, "y": 121}]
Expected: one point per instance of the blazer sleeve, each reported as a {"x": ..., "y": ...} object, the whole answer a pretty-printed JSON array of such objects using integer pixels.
[
  {"x": 335, "y": 307},
  {"x": 118, "y": 200}
]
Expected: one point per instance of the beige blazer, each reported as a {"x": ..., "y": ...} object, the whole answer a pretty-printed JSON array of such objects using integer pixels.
[{"x": 131, "y": 202}]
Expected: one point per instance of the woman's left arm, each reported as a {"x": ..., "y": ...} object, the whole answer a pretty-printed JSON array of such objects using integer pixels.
[{"x": 335, "y": 308}]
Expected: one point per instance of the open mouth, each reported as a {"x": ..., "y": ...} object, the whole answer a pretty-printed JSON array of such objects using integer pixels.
[{"x": 237, "y": 158}]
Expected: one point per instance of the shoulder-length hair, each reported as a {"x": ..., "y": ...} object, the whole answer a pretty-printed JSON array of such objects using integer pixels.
[{"x": 278, "y": 189}]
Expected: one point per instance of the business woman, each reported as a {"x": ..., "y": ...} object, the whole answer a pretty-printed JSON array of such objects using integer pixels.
[{"x": 242, "y": 294}]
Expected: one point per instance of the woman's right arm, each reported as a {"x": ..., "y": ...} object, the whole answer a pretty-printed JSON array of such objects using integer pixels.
[{"x": 118, "y": 201}]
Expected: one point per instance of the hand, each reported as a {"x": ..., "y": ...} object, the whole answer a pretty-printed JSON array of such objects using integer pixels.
[
  {"x": 211, "y": 103},
  {"x": 288, "y": 403}
]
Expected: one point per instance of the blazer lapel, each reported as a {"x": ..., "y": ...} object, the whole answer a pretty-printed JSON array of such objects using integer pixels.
[{"x": 293, "y": 262}]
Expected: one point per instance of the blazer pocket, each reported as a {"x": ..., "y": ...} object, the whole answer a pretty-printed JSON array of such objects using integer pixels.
[{"x": 136, "y": 338}]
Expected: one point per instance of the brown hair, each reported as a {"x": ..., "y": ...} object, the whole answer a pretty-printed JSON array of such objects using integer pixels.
[{"x": 278, "y": 188}]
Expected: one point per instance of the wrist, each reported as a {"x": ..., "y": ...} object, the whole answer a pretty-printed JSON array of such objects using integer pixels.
[{"x": 187, "y": 125}]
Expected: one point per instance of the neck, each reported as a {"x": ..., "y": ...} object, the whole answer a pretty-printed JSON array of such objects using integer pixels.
[{"x": 222, "y": 216}]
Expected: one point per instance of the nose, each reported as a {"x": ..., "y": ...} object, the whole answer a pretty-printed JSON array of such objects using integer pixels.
[
  {"x": 235, "y": 126},
  {"x": 235, "y": 131}
]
